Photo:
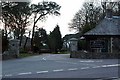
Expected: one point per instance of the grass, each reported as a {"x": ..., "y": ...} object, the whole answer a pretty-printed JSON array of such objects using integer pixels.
[
  {"x": 22, "y": 55},
  {"x": 64, "y": 52}
]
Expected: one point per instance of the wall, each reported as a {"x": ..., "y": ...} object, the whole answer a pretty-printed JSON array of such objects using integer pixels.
[{"x": 84, "y": 55}]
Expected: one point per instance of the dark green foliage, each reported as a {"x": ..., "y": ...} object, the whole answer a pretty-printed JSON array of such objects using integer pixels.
[
  {"x": 40, "y": 38},
  {"x": 55, "y": 40},
  {"x": 5, "y": 42},
  {"x": 15, "y": 16},
  {"x": 81, "y": 44}
]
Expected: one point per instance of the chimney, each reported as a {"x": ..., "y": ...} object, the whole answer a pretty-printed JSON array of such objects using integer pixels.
[{"x": 109, "y": 10}]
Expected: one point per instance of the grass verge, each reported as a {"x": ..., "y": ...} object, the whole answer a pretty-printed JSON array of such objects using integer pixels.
[{"x": 22, "y": 55}]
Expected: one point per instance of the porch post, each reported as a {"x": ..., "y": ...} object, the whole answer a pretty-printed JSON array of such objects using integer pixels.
[{"x": 111, "y": 44}]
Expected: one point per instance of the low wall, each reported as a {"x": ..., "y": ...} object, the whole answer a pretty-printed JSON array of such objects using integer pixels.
[
  {"x": 6, "y": 57},
  {"x": 90, "y": 55}
]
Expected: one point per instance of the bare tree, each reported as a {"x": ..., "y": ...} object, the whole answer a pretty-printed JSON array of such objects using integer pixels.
[{"x": 86, "y": 18}]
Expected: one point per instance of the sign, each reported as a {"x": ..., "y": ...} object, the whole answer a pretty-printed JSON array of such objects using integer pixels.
[{"x": 97, "y": 44}]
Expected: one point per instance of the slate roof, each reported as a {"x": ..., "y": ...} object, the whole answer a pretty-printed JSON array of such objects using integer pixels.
[{"x": 108, "y": 26}]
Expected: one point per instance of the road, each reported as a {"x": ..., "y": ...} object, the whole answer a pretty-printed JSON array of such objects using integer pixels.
[{"x": 60, "y": 66}]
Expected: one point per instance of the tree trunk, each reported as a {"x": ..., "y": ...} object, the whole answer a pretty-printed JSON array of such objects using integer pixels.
[
  {"x": 6, "y": 30},
  {"x": 26, "y": 40},
  {"x": 21, "y": 39},
  {"x": 25, "y": 43},
  {"x": 33, "y": 31}
]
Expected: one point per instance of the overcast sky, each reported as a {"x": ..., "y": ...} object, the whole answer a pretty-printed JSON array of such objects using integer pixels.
[{"x": 68, "y": 9}]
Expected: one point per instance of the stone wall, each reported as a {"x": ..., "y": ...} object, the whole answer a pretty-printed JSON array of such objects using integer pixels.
[
  {"x": 89, "y": 55},
  {"x": 13, "y": 51}
]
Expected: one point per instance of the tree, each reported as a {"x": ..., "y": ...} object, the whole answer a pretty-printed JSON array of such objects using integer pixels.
[
  {"x": 86, "y": 18},
  {"x": 114, "y": 5},
  {"x": 76, "y": 21},
  {"x": 27, "y": 40},
  {"x": 55, "y": 40},
  {"x": 5, "y": 42},
  {"x": 15, "y": 16},
  {"x": 51, "y": 42},
  {"x": 42, "y": 10},
  {"x": 43, "y": 35},
  {"x": 6, "y": 19},
  {"x": 22, "y": 17},
  {"x": 40, "y": 38}
]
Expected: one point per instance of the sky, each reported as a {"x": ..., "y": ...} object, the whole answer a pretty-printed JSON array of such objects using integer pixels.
[{"x": 68, "y": 10}]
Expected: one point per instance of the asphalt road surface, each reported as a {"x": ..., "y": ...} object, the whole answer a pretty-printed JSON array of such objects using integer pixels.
[{"x": 56, "y": 66}]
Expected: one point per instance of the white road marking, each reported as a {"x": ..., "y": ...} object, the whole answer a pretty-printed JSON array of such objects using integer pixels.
[
  {"x": 66, "y": 62},
  {"x": 57, "y": 70},
  {"x": 115, "y": 77},
  {"x": 87, "y": 61},
  {"x": 85, "y": 68},
  {"x": 112, "y": 65},
  {"x": 41, "y": 72},
  {"x": 8, "y": 75},
  {"x": 72, "y": 69},
  {"x": 24, "y": 73},
  {"x": 104, "y": 66},
  {"x": 96, "y": 67},
  {"x": 90, "y": 61},
  {"x": 44, "y": 58}
]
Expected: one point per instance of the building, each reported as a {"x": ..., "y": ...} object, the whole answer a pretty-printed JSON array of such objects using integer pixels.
[{"x": 105, "y": 37}]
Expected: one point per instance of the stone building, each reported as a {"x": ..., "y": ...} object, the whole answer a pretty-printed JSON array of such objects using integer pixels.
[
  {"x": 105, "y": 37},
  {"x": 102, "y": 42}
]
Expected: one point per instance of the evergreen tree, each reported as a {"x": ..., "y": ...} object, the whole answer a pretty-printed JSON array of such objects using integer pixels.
[
  {"x": 55, "y": 40},
  {"x": 41, "y": 11},
  {"x": 40, "y": 38}
]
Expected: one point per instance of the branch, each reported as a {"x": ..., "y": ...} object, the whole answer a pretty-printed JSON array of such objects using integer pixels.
[{"x": 41, "y": 16}]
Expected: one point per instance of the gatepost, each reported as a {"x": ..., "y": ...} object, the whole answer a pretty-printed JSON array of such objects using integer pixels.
[
  {"x": 14, "y": 47},
  {"x": 73, "y": 44}
]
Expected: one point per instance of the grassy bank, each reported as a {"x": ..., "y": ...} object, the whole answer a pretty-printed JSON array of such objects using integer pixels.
[{"x": 22, "y": 55}]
